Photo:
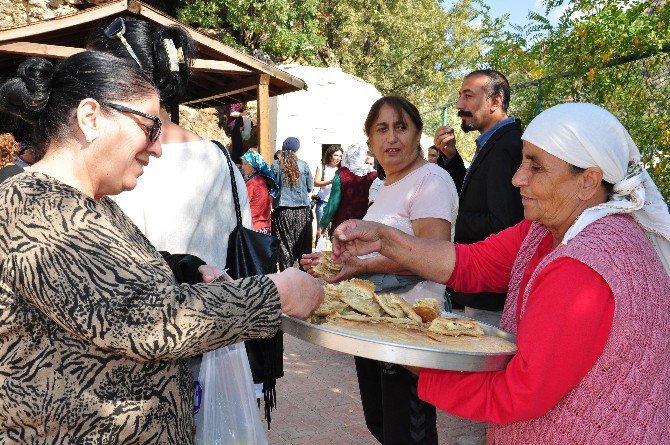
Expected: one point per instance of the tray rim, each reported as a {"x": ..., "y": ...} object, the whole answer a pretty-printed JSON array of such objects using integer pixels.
[{"x": 462, "y": 360}]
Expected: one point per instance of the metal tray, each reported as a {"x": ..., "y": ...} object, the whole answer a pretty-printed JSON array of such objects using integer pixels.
[{"x": 402, "y": 354}]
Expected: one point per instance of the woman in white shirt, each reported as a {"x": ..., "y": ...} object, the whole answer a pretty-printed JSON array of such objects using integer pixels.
[
  {"x": 418, "y": 198},
  {"x": 323, "y": 178}
]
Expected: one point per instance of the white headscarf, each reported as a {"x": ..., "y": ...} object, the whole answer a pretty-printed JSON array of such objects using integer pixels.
[
  {"x": 586, "y": 135},
  {"x": 354, "y": 159}
]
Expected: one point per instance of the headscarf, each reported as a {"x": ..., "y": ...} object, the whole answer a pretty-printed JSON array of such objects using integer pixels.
[
  {"x": 354, "y": 159},
  {"x": 586, "y": 135},
  {"x": 262, "y": 168}
]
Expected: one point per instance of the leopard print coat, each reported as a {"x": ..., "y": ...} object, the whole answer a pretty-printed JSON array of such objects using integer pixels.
[{"x": 94, "y": 330}]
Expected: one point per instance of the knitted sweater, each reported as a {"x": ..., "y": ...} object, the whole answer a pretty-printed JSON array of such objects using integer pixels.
[{"x": 625, "y": 397}]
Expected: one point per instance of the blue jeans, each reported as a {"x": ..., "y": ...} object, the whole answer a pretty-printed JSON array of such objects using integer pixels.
[{"x": 318, "y": 210}]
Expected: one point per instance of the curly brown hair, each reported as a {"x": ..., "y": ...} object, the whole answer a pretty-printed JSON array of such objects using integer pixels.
[
  {"x": 289, "y": 166},
  {"x": 9, "y": 149}
]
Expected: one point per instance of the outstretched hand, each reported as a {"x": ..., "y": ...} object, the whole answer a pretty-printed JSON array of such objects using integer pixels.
[
  {"x": 355, "y": 237},
  {"x": 353, "y": 267}
]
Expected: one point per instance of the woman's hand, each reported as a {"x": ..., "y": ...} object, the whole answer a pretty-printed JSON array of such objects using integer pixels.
[
  {"x": 209, "y": 273},
  {"x": 354, "y": 237},
  {"x": 299, "y": 293},
  {"x": 309, "y": 261},
  {"x": 353, "y": 267}
]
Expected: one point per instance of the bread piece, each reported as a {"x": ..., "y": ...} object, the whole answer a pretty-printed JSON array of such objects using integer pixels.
[
  {"x": 427, "y": 308},
  {"x": 390, "y": 304},
  {"x": 454, "y": 327},
  {"x": 359, "y": 294},
  {"x": 327, "y": 307},
  {"x": 327, "y": 267}
]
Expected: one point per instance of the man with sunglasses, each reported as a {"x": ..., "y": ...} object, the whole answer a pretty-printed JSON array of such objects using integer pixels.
[{"x": 488, "y": 202}]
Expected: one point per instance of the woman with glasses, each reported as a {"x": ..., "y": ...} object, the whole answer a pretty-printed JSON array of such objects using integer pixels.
[
  {"x": 184, "y": 202},
  {"x": 94, "y": 329}
]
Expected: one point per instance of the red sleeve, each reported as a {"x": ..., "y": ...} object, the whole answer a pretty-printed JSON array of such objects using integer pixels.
[
  {"x": 562, "y": 333},
  {"x": 486, "y": 266}
]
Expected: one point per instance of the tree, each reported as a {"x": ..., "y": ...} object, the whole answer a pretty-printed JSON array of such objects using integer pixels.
[
  {"x": 612, "y": 53},
  {"x": 282, "y": 29}
]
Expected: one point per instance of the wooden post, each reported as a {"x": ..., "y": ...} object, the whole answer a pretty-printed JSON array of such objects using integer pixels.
[{"x": 264, "y": 117}]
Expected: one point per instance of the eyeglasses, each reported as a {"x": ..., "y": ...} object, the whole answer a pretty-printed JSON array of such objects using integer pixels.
[
  {"x": 155, "y": 130},
  {"x": 116, "y": 30}
]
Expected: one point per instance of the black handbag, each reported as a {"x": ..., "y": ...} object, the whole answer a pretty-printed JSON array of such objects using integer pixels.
[
  {"x": 252, "y": 253},
  {"x": 249, "y": 253}
]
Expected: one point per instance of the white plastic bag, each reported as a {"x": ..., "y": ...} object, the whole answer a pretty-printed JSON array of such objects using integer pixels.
[
  {"x": 322, "y": 244},
  {"x": 246, "y": 128},
  {"x": 228, "y": 412}
]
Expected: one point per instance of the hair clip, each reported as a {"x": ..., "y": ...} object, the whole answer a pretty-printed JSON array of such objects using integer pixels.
[
  {"x": 180, "y": 55},
  {"x": 172, "y": 53}
]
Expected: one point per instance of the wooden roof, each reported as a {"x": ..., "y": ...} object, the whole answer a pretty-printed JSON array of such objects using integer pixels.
[{"x": 221, "y": 74}]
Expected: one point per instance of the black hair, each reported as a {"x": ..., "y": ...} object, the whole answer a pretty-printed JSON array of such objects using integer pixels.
[
  {"x": 609, "y": 188},
  {"x": 47, "y": 96},
  {"x": 147, "y": 41},
  {"x": 497, "y": 84}
]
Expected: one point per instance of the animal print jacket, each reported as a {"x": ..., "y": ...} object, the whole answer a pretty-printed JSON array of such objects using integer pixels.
[{"x": 94, "y": 329}]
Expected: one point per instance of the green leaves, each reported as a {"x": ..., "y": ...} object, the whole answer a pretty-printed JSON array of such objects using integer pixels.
[{"x": 603, "y": 52}]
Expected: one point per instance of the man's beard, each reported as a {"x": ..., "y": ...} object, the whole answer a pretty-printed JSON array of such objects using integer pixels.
[{"x": 465, "y": 126}]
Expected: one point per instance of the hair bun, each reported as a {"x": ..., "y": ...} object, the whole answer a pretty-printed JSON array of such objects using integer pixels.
[
  {"x": 26, "y": 94},
  {"x": 36, "y": 74}
]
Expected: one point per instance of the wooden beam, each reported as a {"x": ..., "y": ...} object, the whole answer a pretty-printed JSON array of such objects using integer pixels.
[
  {"x": 263, "y": 102},
  {"x": 61, "y": 52},
  {"x": 218, "y": 66},
  {"x": 237, "y": 87},
  {"x": 39, "y": 49}
]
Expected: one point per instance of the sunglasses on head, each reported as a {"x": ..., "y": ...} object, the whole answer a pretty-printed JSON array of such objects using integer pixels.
[
  {"x": 116, "y": 30},
  {"x": 155, "y": 130}
]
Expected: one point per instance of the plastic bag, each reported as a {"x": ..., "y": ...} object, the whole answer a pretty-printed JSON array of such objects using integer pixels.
[
  {"x": 228, "y": 413},
  {"x": 246, "y": 128},
  {"x": 323, "y": 244}
]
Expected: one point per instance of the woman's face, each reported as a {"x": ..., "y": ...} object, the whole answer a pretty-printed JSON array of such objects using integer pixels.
[
  {"x": 394, "y": 142},
  {"x": 247, "y": 169},
  {"x": 335, "y": 159},
  {"x": 433, "y": 155},
  {"x": 123, "y": 147},
  {"x": 549, "y": 188}
]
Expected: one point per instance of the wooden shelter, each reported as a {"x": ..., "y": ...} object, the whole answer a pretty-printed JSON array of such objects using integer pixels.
[{"x": 221, "y": 74}]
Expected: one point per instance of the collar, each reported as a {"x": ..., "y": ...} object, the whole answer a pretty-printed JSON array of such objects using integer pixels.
[
  {"x": 484, "y": 137},
  {"x": 21, "y": 163}
]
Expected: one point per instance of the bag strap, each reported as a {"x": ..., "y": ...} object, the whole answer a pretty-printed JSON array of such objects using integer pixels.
[{"x": 233, "y": 183}]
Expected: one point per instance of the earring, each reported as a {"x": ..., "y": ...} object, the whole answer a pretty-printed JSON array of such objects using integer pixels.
[{"x": 90, "y": 137}]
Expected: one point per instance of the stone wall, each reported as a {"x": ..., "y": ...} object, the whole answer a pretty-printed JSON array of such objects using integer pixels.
[{"x": 19, "y": 12}]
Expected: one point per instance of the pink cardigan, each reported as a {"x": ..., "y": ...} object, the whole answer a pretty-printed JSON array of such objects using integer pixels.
[{"x": 625, "y": 397}]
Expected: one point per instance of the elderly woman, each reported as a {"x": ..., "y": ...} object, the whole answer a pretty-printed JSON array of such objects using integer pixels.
[
  {"x": 349, "y": 192},
  {"x": 419, "y": 199},
  {"x": 95, "y": 331},
  {"x": 589, "y": 291},
  {"x": 261, "y": 188}
]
